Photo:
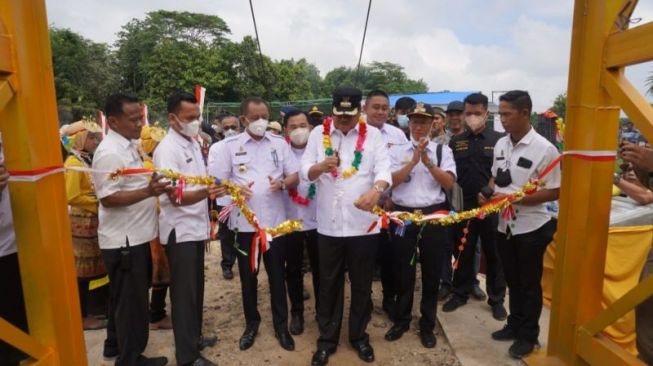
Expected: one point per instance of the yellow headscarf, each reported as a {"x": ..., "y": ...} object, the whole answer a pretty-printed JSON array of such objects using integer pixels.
[
  {"x": 74, "y": 135},
  {"x": 151, "y": 136}
]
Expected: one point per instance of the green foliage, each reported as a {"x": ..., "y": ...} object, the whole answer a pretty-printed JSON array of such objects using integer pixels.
[
  {"x": 170, "y": 50},
  {"x": 83, "y": 72},
  {"x": 560, "y": 105}
]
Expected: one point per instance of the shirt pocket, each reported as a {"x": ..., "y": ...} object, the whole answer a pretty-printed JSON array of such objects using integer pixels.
[
  {"x": 241, "y": 165},
  {"x": 274, "y": 163}
]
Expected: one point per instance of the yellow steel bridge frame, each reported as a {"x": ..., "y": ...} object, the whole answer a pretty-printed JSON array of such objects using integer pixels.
[{"x": 602, "y": 45}]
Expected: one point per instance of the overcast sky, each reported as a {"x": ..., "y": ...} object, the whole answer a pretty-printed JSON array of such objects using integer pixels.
[{"x": 453, "y": 45}]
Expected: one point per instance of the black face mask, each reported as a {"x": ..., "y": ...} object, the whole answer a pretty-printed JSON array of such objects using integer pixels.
[{"x": 503, "y": 178}]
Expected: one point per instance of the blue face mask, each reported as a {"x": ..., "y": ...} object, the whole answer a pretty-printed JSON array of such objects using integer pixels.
[{"x": 402, "y": 120}]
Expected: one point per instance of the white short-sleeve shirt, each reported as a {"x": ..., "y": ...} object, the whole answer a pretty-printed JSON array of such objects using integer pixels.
[
  {"x": 294, "y": 210},
  {"x": 213, "y": 164},
  {"x": 244, "y": 160},
  {"x": 526, "y": 159},
  {"x": 136, "y": 223},
  {"x": 191, "y": 223},
  {"x": 420, "y": 188},
  {"x": 336, "y": 214}
]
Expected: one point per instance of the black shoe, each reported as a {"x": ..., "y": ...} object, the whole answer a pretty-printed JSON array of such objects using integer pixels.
[
  {"x": 320, "y": 357},
  {"x": 478, "y": 294},
  {"x": 454, "y": 303},
  {"x": 228, "y": 274},
  {"x": 505, "y": 334},
  {"x": 110, "y": 353},
  {"x": 395, "y": 332},
  {"x": 443, "y": 293},
  {"x": 201, "y": 362},
  {"x": 428, "y": 339},
  {"x": 156, "y": 361},
  {"x": 297, "y": 324},
  {"x": 365, "y": 352},
  {"x": 499, "y": 312},
  {"x": 285, "y": 340},
  {"x": 207, "y": 342},
  {"x": 247, "y": 339},
  {"x": 522, "y": 348}
]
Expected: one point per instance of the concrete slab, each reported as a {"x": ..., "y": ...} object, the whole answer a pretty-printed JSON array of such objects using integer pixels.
[{"x": 468, "y": 330}]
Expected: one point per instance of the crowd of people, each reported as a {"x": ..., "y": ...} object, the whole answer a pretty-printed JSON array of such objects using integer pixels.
[{"x": 330, "y": 173}]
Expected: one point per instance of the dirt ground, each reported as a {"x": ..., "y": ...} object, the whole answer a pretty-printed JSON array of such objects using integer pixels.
[{"x": 224, "y": 318}]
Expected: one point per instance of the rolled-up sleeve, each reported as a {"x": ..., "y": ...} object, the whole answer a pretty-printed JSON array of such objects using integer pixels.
[
  {"x": 382, "y": 169},
  {"x": 310, "y": 154},
  {"x": 105, "y": 186}
]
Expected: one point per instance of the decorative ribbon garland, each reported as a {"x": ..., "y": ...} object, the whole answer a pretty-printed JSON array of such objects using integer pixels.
[
  {"x": 301, "y": 200},
  {"x": 358, "y": 152}
]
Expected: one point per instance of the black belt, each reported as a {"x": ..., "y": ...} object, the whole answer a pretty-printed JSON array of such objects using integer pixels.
[{"x": 425, "y": 210}]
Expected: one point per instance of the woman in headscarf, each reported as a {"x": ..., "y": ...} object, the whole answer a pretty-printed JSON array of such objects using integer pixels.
[
  {"x": 150, "y": 138},
  {"x": 81, "y": 139}
]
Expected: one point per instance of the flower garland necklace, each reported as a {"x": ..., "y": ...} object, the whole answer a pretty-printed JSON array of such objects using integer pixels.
[
  {"x": 301, "y": 200},
  {"x": 358, "y": 152}
]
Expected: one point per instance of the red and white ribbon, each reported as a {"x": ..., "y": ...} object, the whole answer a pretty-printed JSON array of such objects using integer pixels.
[{"x": 33, "y": 175}]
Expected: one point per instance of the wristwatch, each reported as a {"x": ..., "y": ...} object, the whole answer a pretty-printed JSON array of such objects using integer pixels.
[
  {"x": 616, "y": 178},
  {"x": 429, "y": 165},
  {"x": 379, "y": 189}
]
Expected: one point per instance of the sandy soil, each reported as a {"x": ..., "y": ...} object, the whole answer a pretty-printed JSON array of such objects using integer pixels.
[{"x": 223, "y": 317}]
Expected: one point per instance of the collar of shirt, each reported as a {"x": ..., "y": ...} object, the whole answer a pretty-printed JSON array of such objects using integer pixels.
[
  {"x": 526, "y": 140},
  {"x": 119, "y": 139},
  {"x": 245, "y": 137},
  {"x": 470, "y": 134}
]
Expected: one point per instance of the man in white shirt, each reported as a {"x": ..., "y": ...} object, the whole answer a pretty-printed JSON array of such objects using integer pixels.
[
  {"x": 335, "y": 151},
  {"x": 12, "y": 306},
  {"x": 421, "y": 171},
  {"x": 300, "y": 204},
  {"x": 521, "y": 156},
  {"x": 230, "y": 127},
  {"x": 127, "y": 223},
  {"x": 377, "y": 109},
  {"x": 263, "y": 165},
  {"x": 184, "y": 228}
]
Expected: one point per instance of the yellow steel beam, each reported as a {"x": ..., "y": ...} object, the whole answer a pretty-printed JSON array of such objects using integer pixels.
[
  {"x": 619, "y": 308},
  {"x": 6, "y": 93},
  {"x": 631, "y": 100},
  {"x": 599, "y": 350},
  {"x": 29, "y": 126},
  {"x": 630, "y": 47},
  {"x": 592, "y": 124},
  {"x": 22, "y": 341},
  {"x": 6, "y": 55}
]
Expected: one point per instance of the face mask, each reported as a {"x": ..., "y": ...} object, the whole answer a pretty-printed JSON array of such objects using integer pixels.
[
  {"x": 258, "y": 127},
  {"x": 190, "y": 129},
  {"x": 402, "y": 120},
  {"x": 475, "y": 123},
  {"x": 229, "y": 133},
  {"x": 299, "y": 136}
]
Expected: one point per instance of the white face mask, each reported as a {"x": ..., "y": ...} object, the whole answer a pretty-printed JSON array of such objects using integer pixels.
[
  {"x": 475, "y": 123},
  {"x": 190, "y": 129},
  {"x": 229, "y": 133},
  {"x": 258, "y": 127},
  {"x": 402, "y": 120},
  {"x": 299, "y": 136}
]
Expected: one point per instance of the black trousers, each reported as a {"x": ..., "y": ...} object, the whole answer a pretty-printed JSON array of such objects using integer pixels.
[
  {"x": 186, "y": 260},
  {"x": 464, "y": 276},
  {"x": 227, "y": 239},
  {"x": 358, "y": 254},
  {"x": 274, "y": 266},
  {"x": 388, "y": 252},
  {"x": 295, "y": 243},
  {"x": 12, "y": 306},
  {"x": 431, "y": 251},
  {"x": 522, "y": 257},
  {"x": 130, "y": 272}
]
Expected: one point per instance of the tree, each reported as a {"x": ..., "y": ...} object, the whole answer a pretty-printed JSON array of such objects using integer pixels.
[
  {"x": 84, "y": 74},
  {"x": 560, "y": 105},
  {"x": 386, "y": 76}
]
